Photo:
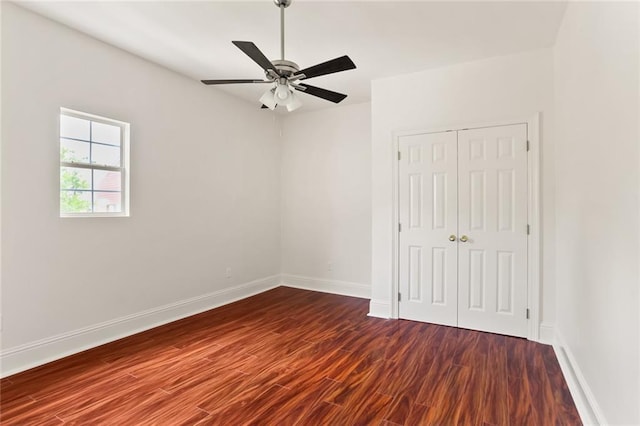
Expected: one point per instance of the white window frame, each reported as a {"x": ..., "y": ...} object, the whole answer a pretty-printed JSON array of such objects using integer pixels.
[{"x": 124, "y": 168}]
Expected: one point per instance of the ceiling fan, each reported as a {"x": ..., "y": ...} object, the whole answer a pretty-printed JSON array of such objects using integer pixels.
[{"x": 285, "y": 75}]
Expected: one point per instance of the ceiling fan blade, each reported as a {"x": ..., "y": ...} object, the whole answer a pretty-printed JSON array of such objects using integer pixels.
[
  {"x": 342, "y": 63},
  {"x": 252, "y": 51},
  {"x": 232, "y": 81},
  {"x": 322, "y": 93}
]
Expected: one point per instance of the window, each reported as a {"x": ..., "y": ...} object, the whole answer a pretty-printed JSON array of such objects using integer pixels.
[{"x": 93, "y": 165}]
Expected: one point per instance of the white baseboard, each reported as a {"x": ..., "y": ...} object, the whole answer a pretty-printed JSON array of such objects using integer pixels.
[
  {"x": 583, "y": 397},
  {"x": 379, "y": 309},
  {"x": 547, "y": 334},
  {"x": 24, "y": 357},
  {"x": 344, "y": 288}
]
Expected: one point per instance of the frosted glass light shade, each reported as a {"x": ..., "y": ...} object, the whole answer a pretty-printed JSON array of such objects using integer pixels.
[
  {"x": 269, "y": 99},
  {"x": 294, "y": 103}
]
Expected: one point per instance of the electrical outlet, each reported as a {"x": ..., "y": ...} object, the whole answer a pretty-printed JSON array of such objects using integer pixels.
[
  {"x": 227, "y": 272},
  {"x": 329, "y": 266}
]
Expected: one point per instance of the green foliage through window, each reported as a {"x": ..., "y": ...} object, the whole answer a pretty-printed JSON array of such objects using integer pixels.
[
  {"x": 67, "y": 155},
  {"x": 72, "y": 201}
]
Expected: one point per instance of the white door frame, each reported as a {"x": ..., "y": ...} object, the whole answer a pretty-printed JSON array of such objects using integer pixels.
[{"x": 533, "y": 213}]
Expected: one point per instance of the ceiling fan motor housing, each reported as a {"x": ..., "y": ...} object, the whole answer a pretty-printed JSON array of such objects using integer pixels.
[{"x": 285, "y": 68}]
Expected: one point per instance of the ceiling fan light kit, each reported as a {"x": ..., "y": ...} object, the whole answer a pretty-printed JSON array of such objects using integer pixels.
[{"x": 284, "y": 76}]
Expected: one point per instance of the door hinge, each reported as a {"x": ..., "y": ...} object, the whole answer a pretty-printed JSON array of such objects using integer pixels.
[
  {"x": 399, "y": 227},
  {"x": 399, "y": 297},
  {"x": 527, "y": 313},
  {"x": 528, "y": 145},
  {"x": 399, "y": 155},
  {"x": 528, "y": 229}
]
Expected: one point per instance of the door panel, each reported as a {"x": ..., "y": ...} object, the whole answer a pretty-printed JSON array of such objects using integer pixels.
[
  {"x": 492, "y": 179},
  {"x": 428, "y": 214}
]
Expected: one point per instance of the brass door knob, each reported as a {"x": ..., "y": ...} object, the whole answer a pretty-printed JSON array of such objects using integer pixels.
[
  {"x": 452, "y": 237},
  {"x": 464, "y": 239}
]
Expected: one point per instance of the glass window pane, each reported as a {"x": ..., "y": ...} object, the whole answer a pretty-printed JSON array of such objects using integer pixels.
[
  {"x": 74, "y": 151},
  {"x": 75, "y": 178},
  {"x": 85, "y": 144},
  {"x": 105, "y": 155},
  {"x": 107, "y": 202},
  {"x": 105, "y": 133},
  {"x": 106, "y": 181},
  {"x": 72, "y": 127},
  {"x": 75, "y": 201}
]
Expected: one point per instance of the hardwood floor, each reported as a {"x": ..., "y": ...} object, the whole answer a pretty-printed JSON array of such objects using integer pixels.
[{"x": 294, "y": 357}]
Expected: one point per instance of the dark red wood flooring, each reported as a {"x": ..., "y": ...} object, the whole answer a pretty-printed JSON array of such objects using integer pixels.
[{"x": 294, "y": 357}]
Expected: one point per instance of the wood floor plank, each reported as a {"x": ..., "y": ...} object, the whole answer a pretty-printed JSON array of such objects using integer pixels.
[
  {"x": 435, "y": 382},
  {"x": 495, "y": 407},
  {"x": 562, "y": 397},
  {"x": 541, "y": 394},
  {"x": 192, "y": 374},
  {"x": 448, "y": 406},
  {"x": 352, "y": 388},
  {"x": 210, "y": 393},
  {"x": 471, "y": 398},
  {"x": 325, "y": 413},
  {"x": 117, "y": 408},
  {"x": 521, "y": 409},
  {"x": 75, "y": 398},
  {"x": 5, "y": 383},
  {"x": 367, "y": 410},
  {"x": 299, "y": 403},
  {"x": 295, "y": 357},
  {"x": 405, "y": 411}
]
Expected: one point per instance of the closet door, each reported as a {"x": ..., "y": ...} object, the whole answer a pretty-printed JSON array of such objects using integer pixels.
[
  {"x": 492, "y": 229},
  {"x": 428, "y": 217}
]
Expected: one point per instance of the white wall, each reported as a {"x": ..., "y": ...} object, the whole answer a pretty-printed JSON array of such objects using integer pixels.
[
  {"x": 205, "y": 187},
  {"x": 488, "y": 90},
  {"x": 597, "y": 203},
  {"x": 326, "y": 199}
]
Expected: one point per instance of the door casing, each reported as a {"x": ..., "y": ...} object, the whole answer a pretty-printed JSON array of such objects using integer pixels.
[{"x": 533, "y": 211}]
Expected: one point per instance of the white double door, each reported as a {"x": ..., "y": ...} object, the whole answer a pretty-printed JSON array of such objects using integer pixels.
[{"x": 463, "y": 218}]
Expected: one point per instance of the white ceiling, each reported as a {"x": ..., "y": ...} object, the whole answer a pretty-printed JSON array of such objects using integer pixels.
[{"x": 382, "y": 38}]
